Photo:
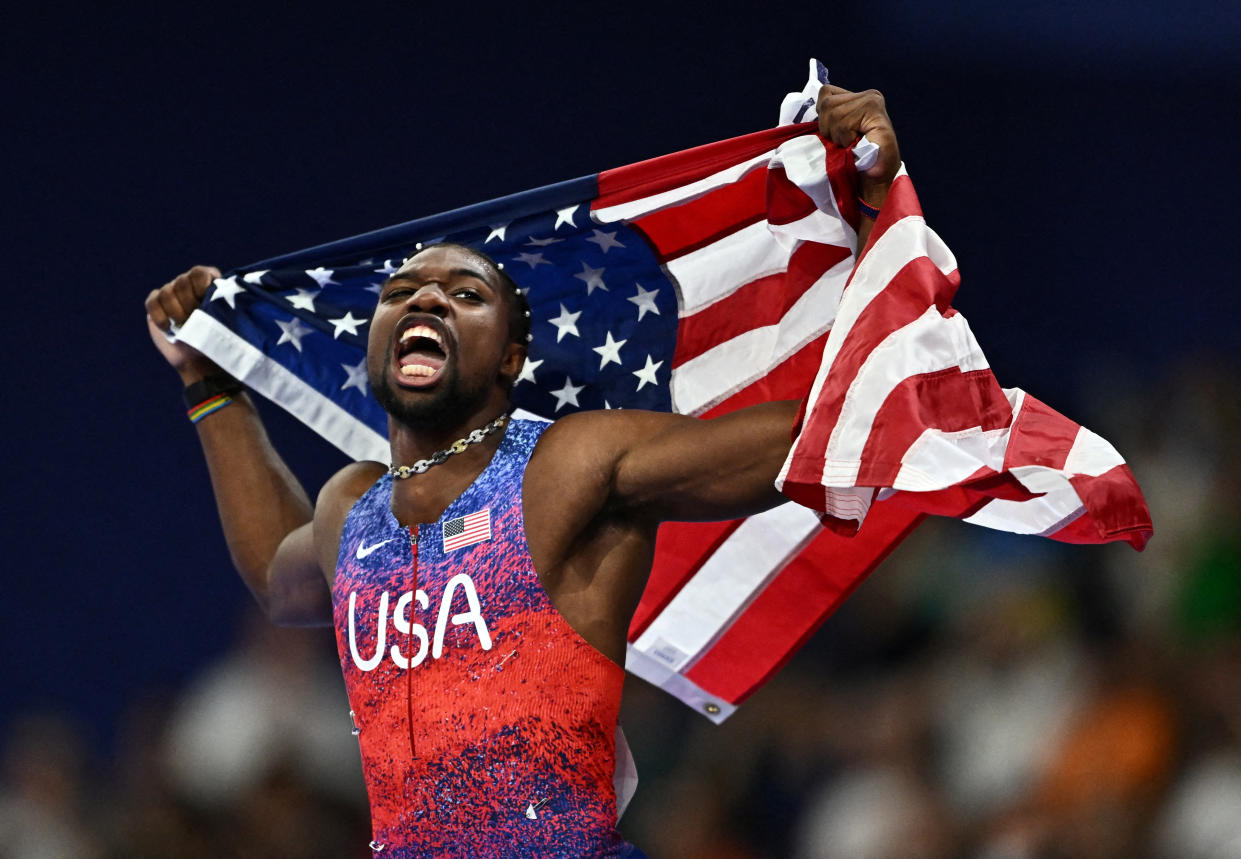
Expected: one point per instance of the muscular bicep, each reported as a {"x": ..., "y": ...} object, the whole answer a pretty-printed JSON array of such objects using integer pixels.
[
  {"x": 297, "y": 592},
  {"x": 300, "y": 576},
  {"x": 686, "y": 469}
]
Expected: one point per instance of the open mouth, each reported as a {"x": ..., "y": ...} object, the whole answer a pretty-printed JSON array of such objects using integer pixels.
[{"x": 420, "y": 353}]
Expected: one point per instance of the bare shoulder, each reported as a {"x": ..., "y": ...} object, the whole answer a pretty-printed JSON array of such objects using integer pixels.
[
  {"x": 335, "y": 500},
  {"x": 574, "y": 466},
  {"x": 602, "y": 436}
]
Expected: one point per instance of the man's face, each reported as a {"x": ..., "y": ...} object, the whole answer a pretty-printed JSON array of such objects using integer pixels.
[{"x": 438, "y": 344}]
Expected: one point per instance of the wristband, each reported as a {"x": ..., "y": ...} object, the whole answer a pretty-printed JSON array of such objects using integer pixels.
[
  {"x": 209, "y": 394},
  {"x": 867, "y": 209},
  {"x": 200, "y": 411},
  {"x": 208, "y": 387}
]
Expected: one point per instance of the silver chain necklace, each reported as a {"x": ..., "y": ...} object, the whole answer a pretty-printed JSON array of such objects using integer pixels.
[{"x": 400, "y": 472}]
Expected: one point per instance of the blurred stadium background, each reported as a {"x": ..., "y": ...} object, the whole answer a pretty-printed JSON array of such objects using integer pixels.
[{"x": 980, "y": 696}]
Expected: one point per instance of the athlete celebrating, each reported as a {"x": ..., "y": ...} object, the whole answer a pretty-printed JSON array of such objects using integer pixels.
[{"x": 481, "y": 588}]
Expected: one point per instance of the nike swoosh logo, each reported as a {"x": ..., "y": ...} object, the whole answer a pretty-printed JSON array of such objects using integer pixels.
[{"x": 364, "y": 550}]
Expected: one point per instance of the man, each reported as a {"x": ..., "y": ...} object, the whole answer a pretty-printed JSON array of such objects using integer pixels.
[{"x": 481, "y": 595}]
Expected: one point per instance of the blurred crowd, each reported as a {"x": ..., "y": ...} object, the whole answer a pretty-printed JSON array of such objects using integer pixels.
[{"x": 981, "y": 696}]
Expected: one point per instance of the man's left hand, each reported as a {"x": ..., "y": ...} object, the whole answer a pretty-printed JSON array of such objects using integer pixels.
[{"x": 844, "y": 116}]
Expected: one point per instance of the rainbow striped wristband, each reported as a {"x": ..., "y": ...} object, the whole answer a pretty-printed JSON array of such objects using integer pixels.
[{"x": 206, "y": 407}]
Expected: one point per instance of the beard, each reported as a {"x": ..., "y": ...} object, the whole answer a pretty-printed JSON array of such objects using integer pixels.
[{"x": 451, "y": 403}]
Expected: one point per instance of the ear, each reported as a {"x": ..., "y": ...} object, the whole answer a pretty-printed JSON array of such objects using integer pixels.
[{"x": 514, "y": 359}]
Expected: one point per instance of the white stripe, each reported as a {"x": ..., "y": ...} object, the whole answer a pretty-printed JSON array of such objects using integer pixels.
[
  {"x": 1091, "y": 454},
  {"x": 677, "y": 685},
  {"x": 251, "y": 367},
  {"x": 717, "y": 270},
  {"x": 723, "y": 586},
  {"x": 804, "y": 162},
  {"x": 937, "y": 458},
  {"x": 1043, "y": 515},
  {"x": 929, "y": 343},
  {"x": 684, "y": 193},
  {"x": 721, "y": 371}
]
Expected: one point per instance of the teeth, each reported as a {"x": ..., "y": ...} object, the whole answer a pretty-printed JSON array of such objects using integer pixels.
[
  {"x": 417, "y": 370},
  {"x": 422, "y": 331}
]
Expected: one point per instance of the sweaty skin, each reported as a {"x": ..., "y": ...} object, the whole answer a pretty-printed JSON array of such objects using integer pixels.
[{"x": 598, "y": 483}]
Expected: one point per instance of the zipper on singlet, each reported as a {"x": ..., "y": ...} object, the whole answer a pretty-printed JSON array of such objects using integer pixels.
[{"x": 409, "y": 671}]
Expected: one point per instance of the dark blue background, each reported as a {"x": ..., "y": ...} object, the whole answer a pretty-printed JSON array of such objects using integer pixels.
[{"x": 1077, "y": 161}]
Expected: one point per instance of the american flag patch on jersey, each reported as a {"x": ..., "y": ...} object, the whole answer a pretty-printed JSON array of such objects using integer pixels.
[{"x": 467, "y": 530}]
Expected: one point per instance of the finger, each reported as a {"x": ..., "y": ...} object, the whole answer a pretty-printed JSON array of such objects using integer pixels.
[
  {"x": 155, "y": 311},
  {"x": 187, "y": 291},
  {"x": 848, "y": 117},
  {"x": 201, "y": 278},
  {"x": 171, "y": 304}
]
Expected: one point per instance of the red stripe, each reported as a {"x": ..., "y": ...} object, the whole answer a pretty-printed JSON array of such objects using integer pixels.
[
  {"x": 796, "y": 602},
  {"x": 1115, "y": 509},
  {"x": 948, "y": 400},
  {"x": 903, "y": 299},
  {"x": 758, "y": 303},
  {"x": 681, "y": 548},
  {"x": 762, "y": 193},
  {"x": 842, "y": 174},
  {"x": 789, "y": 381},
  {"x": 656, "y": 175},
  {"x": 686, "y": 227},
  {"x": 1040, "y": 436},
  {"x": 786, "y": 202}
]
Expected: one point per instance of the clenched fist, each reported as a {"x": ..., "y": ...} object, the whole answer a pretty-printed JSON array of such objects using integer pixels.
[{"x": 167, "y": 309}]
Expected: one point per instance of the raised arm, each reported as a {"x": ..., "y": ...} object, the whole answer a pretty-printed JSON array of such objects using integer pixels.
[
  {"x": 678, "y": 468},
  {"x": 662, "y": 467},
  {"x": 265, "y": 512}
]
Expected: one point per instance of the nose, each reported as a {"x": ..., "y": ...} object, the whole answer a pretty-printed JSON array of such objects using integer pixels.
[{"x": 429, "y": 298}]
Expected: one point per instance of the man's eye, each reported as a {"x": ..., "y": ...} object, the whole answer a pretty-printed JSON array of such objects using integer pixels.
[
  {"x": 400, "y": 292},
  {"x": 469, "y": 294}
]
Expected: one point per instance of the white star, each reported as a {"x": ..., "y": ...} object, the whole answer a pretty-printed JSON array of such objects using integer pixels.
[
  {"x": 593, "y": 278},
  {"x": 389, "y": 267},
  {"x": 322, "y": 276},
  {"x": 605, "y": 241},
  {"x": 645, "y": 299},
  {"x": 527, "y": 370},
  {"x": 375, "y": 287},
  {"x": 294, "y": 331},
  {"x": 567, "y": 396},
  {"x": 606, "y": 404},
  {"x": 356, "y": 376},
  {"x": 254, "y": 276},
  {"x": 532, "y": 260},
  {"x": 497, "y": 232},
  {"x": 304, "y": 300},
  {"x": 227, "y": 288},
  {"x": 610, "y": 351},
  {"x": 347, "y": 323},
  {"x": 647, "y": 373},
  {"x": 542, "y": 243},
  {"x": 565, "y": 216},
  {"x": 566, "y": 323}
]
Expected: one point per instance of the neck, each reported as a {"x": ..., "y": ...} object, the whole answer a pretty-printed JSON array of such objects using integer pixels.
[{"x": 409, "y": 443}]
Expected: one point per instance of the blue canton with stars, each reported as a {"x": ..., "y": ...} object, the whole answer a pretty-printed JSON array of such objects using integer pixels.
[{"x": 604, "y": 314}]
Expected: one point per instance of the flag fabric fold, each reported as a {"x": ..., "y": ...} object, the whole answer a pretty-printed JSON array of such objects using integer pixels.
[
  {"x": 905, "y": 407},
  {"x": 702, "y": 282}
]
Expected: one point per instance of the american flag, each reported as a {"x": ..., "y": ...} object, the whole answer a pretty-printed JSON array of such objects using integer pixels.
[
  {"x": 702, "y": 282},
  {"x": 467, "y": 530}
]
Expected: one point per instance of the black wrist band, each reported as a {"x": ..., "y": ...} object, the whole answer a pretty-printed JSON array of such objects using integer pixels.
[{"x": 210, "y": 386}]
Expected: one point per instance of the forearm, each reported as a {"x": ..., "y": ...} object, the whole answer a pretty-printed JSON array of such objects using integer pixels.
[
  {"x": 874, "y": 194},
  {"x": 686, "y": 469},
  {"x": 259, "y": 500}
]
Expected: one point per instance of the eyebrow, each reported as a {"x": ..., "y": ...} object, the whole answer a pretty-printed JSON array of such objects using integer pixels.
[{"x": 452, "y": 273}]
